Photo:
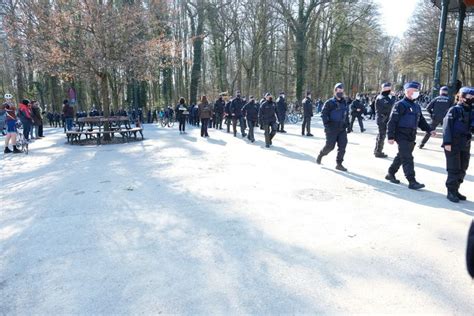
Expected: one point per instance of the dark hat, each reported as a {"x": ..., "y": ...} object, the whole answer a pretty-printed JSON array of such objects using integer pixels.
[
  {"x": 308, "y": 93},
  {"x": 467, "y": 90},
  {"x": 444, "y": 88},
  {"x": 238, "y": 92},
  {"x": 386, "y": 85},
  {"x": 412, "y": 85},
  {"x": 268, "y": 94},
  {"x": 282, "y": 92},
  {"x": 339, "y": 86},
  {"x": 25, "y": 101},
  {"x": 66, "y": 101}
]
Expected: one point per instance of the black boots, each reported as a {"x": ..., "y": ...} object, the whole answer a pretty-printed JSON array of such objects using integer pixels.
[
  {"x": 380, "y": 155},
  {"x": 391, "y": 177},
  {"x": 452, "y": 196},
  {"x": 7, "y": 150},
  {"x": 460, "y": 196},
  {"x": 340, "y": 167},
  {"x": 16, "y": 150},
  {"x": 319, "y": 159},
  {"x": 415, "y": 185}
]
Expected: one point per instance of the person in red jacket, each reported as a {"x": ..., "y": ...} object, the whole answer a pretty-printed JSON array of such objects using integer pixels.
[{"x": 24, "y": 114}]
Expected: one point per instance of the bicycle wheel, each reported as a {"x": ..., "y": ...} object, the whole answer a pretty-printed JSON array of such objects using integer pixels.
[
  {"x": 164, "y": 122},
  {"x": 171, "y": 123},
  {"x": 293, "y": 119}
]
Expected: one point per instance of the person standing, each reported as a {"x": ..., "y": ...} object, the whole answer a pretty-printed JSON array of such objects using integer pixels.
[
  {"x": 281, "y": 109},
  {"x": 335, "y": 116},
  {"x": 357, "y": 110},
  {"x": 24, "y": 114},
  {"x": 307, "y": 115},
  {"x": 267, "y": 117},
  {"x": 383, "y": 107},
  {"x": 10, "y": 121},
  {"x": 458, "y": 126},
  {"x": 403, "y": 123},
  {"x": 37, "y": 119},
  {"x": 437, "y": 108},
  {"x": 205, "y": 114},
  {"x": 219, "y": 106},
  {"x": 181, "y": 113},
  {"x": 236, "y": 113},
  {"x": 250, "y": 111},
  {"x": 68, "y": 112}
]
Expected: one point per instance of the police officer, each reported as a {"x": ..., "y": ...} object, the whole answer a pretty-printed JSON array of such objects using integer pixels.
[
  {"x": 437, "y": 108},
  {"x": 250, "y": 111},
  {"x": 383, "y": 107},
  {"x": 219, "y": 106},
  {"x": 335, "y": 115},
  {"x": 281, "y": 108},
  {"x": 307, "y": 115},
  {"x": 357, "y": 110},
  {"x": 235, "y": 109},
  {"x": 267, "y": 117},
  {"x": 458, "y": 126},
  {"x": 404, "y": 120}
]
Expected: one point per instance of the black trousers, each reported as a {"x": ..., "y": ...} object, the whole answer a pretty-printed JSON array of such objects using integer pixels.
[
  {"x": 251, "y": 124},
  {"x": 182, "y": 123},
  {"x": 242, "y": 125},
  {"x": 359, "y": 118},
  {"x": 227, "y": 122},
  {"x": 204, "y": 125},
  {"x": 218, "y": 121},
  {"x": 270, "y": 131},
  {"x": 40, "y": 130},
  {"x": 404, "y": 158},
  {"x": 334, "y": 137},
  {"x": 281, "y": 126},
  {"x": 457, "y": 162},
  {"x": 434, "y": 123},
  {"x": 380, "y": 141},
  {"x": 306, "y": 125}
]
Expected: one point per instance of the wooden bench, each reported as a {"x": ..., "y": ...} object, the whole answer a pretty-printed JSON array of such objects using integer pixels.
[{"x": 75, "y": 136}]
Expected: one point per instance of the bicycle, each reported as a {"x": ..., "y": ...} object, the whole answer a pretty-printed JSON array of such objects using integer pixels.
[{"x": 167, "y": 121}]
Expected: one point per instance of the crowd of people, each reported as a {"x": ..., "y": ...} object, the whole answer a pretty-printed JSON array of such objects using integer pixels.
[{"x": 398, "y": 116}]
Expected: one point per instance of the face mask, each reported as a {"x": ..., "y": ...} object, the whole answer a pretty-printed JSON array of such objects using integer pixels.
[
  {"x": 339, "y": 95},
  {"x": 415, "y": 95},
  {"x": 470, "y": 101},
  {"x": 385, "y": 93}
]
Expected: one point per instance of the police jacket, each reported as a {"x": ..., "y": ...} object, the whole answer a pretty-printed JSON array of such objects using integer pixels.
[
  {"x": 357, "y": 105},
  {"x": 335, "y": 114},
  {"x": 250, "y": 110},
  {"x": 267, "y": 112},
  {"x": 236, "y": 107},
  {"x": 307, "y": 107},
  {"x": 458, "y": 124},
  {"x": 384, "y": 105},
  {"x": 438, "y": 107},
  {"x": 404, "y": 120},
  {"x": 219, "y": 106},
  {"x": 281, "y": 108}
]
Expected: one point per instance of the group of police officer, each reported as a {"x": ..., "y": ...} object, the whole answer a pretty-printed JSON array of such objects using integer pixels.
[{"x": 398, "y": 121}]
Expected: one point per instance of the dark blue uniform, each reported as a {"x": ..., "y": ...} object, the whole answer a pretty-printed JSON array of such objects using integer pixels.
[
  {"x": 458, "y": 126},
  {"x": 335, "y": 115},
  {"x": 236, "y": 113},
  {"x": 267, "y": 117},
  {"x": 219, "y": 106},
  {"x": 307, "y": 115},
  {"x": 404, "y": 120},
  {"x": 250, "y": 110},
  {"x": 281, "y": 108},
  {"x": 357, "y": 110},
  {"x": 437, "y": 108},
  {"x": 383, "y": 108}
]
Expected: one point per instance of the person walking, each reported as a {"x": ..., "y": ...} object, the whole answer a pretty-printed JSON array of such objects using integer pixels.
[
  {"x": 181, "y": 114},
  {"x": 205, "y": 114}
]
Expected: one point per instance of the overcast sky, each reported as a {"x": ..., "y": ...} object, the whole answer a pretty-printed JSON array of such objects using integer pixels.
[{"x": 395, "y": 15}]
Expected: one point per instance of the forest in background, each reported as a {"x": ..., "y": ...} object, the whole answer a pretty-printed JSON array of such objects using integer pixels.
[{"x": 148, "y": 53}]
